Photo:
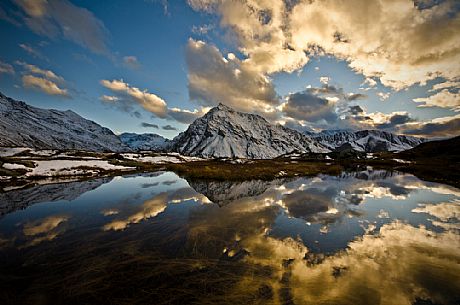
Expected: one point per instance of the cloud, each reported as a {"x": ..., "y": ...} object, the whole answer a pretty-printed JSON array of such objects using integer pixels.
[
  {"x": 214, "y": 79},
  {"x": 168, "y": 127},
  {"x": 202, "y": 29},
  {"x": 127, "y": 96},
  {"x": 4, "y": 16},
  {"x": 383, "y": 95},
  {"x": 445, "y": 85},
  {"x": 109, "y": 98},
  {"x": 309, "y": 107},
  {"x": 443, "y": 99},
  {"x": 395, "y": 42},
  {"x": 132, "y": 95},
  {"x": 149, "y": 209},
  {"x": 131, "y": 62},
  {"x": 445, "y": 211},
  {"x": 187, "y": 116},
  {"x": 36, "y": 70},
  {"x": 440, "y": 127},
  {"x": 60, "y": 18},
  {"x": 45, "y": 229},
  {"x": 357, "y": 118},
  {"x": 44, "y": 85},
  {"x": 6, "y": 68},
  {"x": 32, "y": 51},
  {"x": 149, "y": 125},
  {"x": 356, "y": 110}
]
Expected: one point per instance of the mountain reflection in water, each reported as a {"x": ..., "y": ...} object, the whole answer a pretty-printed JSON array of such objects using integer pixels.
[{"x": 369, "y": 237}]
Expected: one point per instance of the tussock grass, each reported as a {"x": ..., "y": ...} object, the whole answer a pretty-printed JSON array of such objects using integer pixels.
[{"x": 256, "y": 169}]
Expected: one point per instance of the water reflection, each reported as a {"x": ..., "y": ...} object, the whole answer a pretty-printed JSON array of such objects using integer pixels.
[{"x": 369, "y": 237}]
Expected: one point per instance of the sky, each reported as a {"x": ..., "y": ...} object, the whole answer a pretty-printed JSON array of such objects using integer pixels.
[{"x": 155, "y": 66}]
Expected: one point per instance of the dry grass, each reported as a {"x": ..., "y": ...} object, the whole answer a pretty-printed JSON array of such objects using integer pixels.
[{"x": 257, "y": 169}]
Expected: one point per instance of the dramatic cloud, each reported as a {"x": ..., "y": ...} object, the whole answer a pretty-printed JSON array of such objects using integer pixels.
[
  {"x": 357, "y": 118},
  {"x": 440, "y": 127},
  {"x": 445, "y": 85},
  {"x": 131, "y": 62},
  {"x": 443, "y": 99},
  {"x": 6, "y": 68},
  {"x": 214, "y": 79},
  {"x": 149, "y": 125},
  {"x": 128, "y": 96},
  {"x": 187, "y": 116},
  {"x": 309, "y": 107},
  {"x": 168, "y": 127},
  {"x": 148, "y": 101},
  {"x": 396, "y": 41},
  {"x": 43, "y": 84},
  {"x": 54, "y": 18},
  {"x": 355, "y": 110}
]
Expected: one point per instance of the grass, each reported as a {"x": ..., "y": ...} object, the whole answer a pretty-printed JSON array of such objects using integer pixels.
[{"x": 256, "y": 169}]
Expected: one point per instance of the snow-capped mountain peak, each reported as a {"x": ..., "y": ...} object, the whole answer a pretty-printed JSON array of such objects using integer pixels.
[
  {"x": 226, "y": 133},
  {"x": 367, "y": 140},
  {"x": 28, "y": 126}
]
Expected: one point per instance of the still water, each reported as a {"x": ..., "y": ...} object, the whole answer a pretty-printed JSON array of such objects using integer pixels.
[{"x": 369, "y": 237}]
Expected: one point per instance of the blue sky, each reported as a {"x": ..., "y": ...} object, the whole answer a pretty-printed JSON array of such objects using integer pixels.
[{"x": 128, "y": 64}]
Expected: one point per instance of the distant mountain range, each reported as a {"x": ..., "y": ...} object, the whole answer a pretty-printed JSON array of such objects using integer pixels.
[
  {"x": 366, "y": 140},
  {"x": 221, "y": 133},
  {"x": 144, "y": 141}
]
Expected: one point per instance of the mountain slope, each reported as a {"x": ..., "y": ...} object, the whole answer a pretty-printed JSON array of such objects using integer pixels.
[
  {"x": 145, "y": 141},
  {"x": 444, "y": 149},
  {"x": 28, "y": 126},
  {"x": 226, "y": 133},
  {"x": 367, "y": 140}
]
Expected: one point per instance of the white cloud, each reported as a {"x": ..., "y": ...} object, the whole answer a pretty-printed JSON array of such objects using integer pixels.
[
  {"x": 36, "y": 70},
  {"x": 383, "y": 95},
  {"x": 148, "y": 101},
  {"x": 43, "y": 84},
  {"x": 443, "y": 99},
  {"x": 109, "y": 98},
  {"x": 324, "y": 80}
]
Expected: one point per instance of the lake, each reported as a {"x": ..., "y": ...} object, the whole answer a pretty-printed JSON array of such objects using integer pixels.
[{"x": 366, "y": 237}]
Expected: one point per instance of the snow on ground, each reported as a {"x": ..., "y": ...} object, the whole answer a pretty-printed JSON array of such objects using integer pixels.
[
  {"x": 402, "y": 161},
  {"x": 11, "y": 151},
  {"x": 160, "y": 159},
  {"x": 14, "y": 166},
  {"x": 69, "y": 167}
]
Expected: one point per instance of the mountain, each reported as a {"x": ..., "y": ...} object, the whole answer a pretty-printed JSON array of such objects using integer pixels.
[
  {"x": 145, "y": 141},
  {"x": 28, "y": 126},
  {"x": 366, "y": 140},
  {"x": 441, "y": 149},
  {"x": 225, "y": 192},
  {"x": 226, "y": 133},
  {"x": 22, "y": 198}
]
